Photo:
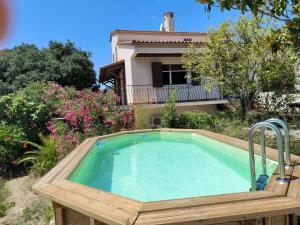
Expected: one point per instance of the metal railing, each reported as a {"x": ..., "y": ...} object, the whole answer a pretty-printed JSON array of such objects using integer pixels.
[
  {"x": 277, "y": 132},
  {"x": 147, "y": 94},
  {"x": 286, "y": 141}
]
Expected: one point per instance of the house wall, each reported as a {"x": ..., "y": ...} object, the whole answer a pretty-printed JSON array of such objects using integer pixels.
[
  {"x": 123, "y": 52},
  {"x": 149, "y": 112},
  {"x": 142, "y": 70},
  {"x": 138, "y": 70}
]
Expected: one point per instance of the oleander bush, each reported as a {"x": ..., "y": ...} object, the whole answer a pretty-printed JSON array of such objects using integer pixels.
[
  {"x": 66, "y": 114},
  {"x": 83, "y": 114}
]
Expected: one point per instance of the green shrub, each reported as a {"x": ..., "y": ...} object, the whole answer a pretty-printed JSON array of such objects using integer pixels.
[
  {"x": 169, "y": 114},
  {"x": 195, "y": 120},
  {"x": 27, "y": 109},
  {"x": 43, "y": 158},
  {"x": 139, "y": 118},
  {"x": 11, "y": 148}
]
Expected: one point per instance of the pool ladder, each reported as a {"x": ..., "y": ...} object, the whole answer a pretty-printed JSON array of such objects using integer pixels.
[{"x": 272, "y": 124}]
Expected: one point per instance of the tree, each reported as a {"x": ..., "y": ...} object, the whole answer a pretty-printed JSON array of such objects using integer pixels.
[
  {"x": 169, "y": 114},
  {"x": 68, "y": 65},
  {"x": 285, "y": 11},
  {"x": 62, "y": 63},
  {"x": 237, "y": 58}
]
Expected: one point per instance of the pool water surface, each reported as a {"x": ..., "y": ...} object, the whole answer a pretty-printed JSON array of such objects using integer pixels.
[{"x": 165, "y": 165}]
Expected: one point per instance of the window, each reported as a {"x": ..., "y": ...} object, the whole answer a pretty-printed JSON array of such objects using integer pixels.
[{"x": 174, "y": 74}]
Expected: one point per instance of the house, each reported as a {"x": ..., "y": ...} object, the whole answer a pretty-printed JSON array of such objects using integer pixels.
[{"x": 147, "y": 66}]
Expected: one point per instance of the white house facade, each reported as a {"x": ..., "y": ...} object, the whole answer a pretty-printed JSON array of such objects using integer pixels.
[{"x": 147, "y": 66}]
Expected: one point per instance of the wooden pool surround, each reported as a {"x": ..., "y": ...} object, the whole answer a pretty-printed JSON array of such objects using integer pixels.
[{"x": 76, "y": 204}]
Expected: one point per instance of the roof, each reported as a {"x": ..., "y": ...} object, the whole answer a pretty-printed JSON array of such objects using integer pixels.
[
  {"x": 156, "y": 32},
  {"x": 107, "y": 70},
  {"x": 158, "y": 43},
  {"x": 142, "y": 41}
]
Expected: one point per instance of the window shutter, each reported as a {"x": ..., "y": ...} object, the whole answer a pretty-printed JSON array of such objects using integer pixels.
[{"x": 157, "y": 77}]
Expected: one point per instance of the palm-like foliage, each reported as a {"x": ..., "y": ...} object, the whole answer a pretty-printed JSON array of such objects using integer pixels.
[{"x": 43, "y": 158}]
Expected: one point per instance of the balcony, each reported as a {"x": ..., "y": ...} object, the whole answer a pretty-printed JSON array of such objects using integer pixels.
[{"x": 147, "y": 94}]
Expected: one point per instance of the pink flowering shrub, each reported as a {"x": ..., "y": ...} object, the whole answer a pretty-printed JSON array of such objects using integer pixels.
[
  {"x": 68, "y": 115},
  {"x": 83, "y": 114}
]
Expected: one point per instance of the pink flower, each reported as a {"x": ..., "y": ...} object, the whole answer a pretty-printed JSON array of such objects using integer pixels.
[
  {"x": 118, "y": 99},
  {"x": 124, "y": 120},
  {"x": 68, "y": 137},
  {"x": 60, "y": 149}
]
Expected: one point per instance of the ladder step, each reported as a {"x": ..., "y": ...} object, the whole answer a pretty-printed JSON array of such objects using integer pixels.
[{"x": 261, "y": 182}]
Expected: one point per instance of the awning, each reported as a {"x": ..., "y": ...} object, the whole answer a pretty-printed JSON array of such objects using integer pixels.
[{"x": 110, "y": 71}]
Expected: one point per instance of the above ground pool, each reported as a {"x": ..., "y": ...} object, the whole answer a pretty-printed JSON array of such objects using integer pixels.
[{"x": 155, "y": 166}]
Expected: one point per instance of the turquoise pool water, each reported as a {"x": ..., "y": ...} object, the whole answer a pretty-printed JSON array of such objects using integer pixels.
[{"x": 166, "y": 165}]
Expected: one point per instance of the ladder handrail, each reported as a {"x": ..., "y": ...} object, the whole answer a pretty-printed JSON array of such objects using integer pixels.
[
  {"x": 278, "y": 134},
  {"x": 287, "y": 138},
  {"x": 263, "y": 150}
]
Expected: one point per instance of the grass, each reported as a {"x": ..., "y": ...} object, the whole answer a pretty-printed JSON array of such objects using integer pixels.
[
  {"x": 238, "y": 129},
  {"x": 39, "y": 213},
  {"x": 4, "y": 193}
]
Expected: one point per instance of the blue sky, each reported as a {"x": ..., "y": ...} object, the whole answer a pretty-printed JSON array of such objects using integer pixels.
[{"x": 88, "y": 23}]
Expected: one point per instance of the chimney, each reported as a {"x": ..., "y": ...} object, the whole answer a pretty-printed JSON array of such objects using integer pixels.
[{"x": 169, "y": 22}]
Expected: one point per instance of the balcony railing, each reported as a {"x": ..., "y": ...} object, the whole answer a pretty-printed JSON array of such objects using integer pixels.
[{"x": 147, "y": 94}]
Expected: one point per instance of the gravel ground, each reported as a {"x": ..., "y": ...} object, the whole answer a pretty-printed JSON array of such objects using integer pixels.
[{"x": 24, "y": 199}]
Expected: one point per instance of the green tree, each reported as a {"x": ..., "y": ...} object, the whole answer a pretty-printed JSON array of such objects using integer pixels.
[
  {"x": 19, "y": 66},
  {"x": 68, "y": 65},
  {"x": 60, "y": 62},
  {"x": 285, "y": 11},
  {"x": 169, "y": 114},
  {"x": 237, "y": 58}
]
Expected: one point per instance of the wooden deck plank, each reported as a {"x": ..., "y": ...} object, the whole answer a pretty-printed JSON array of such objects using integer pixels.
[
  {"x": 96, "y": 209},
  {"x": 276, "y": 187},
  {"x": 219, "y": 213},
  {"x": 207, "y": 200},
  {"x": 294, "y": 188},
  {"x": 127, "y": 204}
]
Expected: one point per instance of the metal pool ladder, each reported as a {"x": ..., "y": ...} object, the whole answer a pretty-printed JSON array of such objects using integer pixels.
[
  {"x": 286, "y": 141},
  {"x": 270, "y": 123}
]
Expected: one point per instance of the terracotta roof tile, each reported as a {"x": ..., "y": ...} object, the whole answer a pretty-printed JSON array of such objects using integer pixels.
[
  {"x": 155, "y": 32},
  {"x": 142, "y": 41},
  {"x": 166, "y": 44}
]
